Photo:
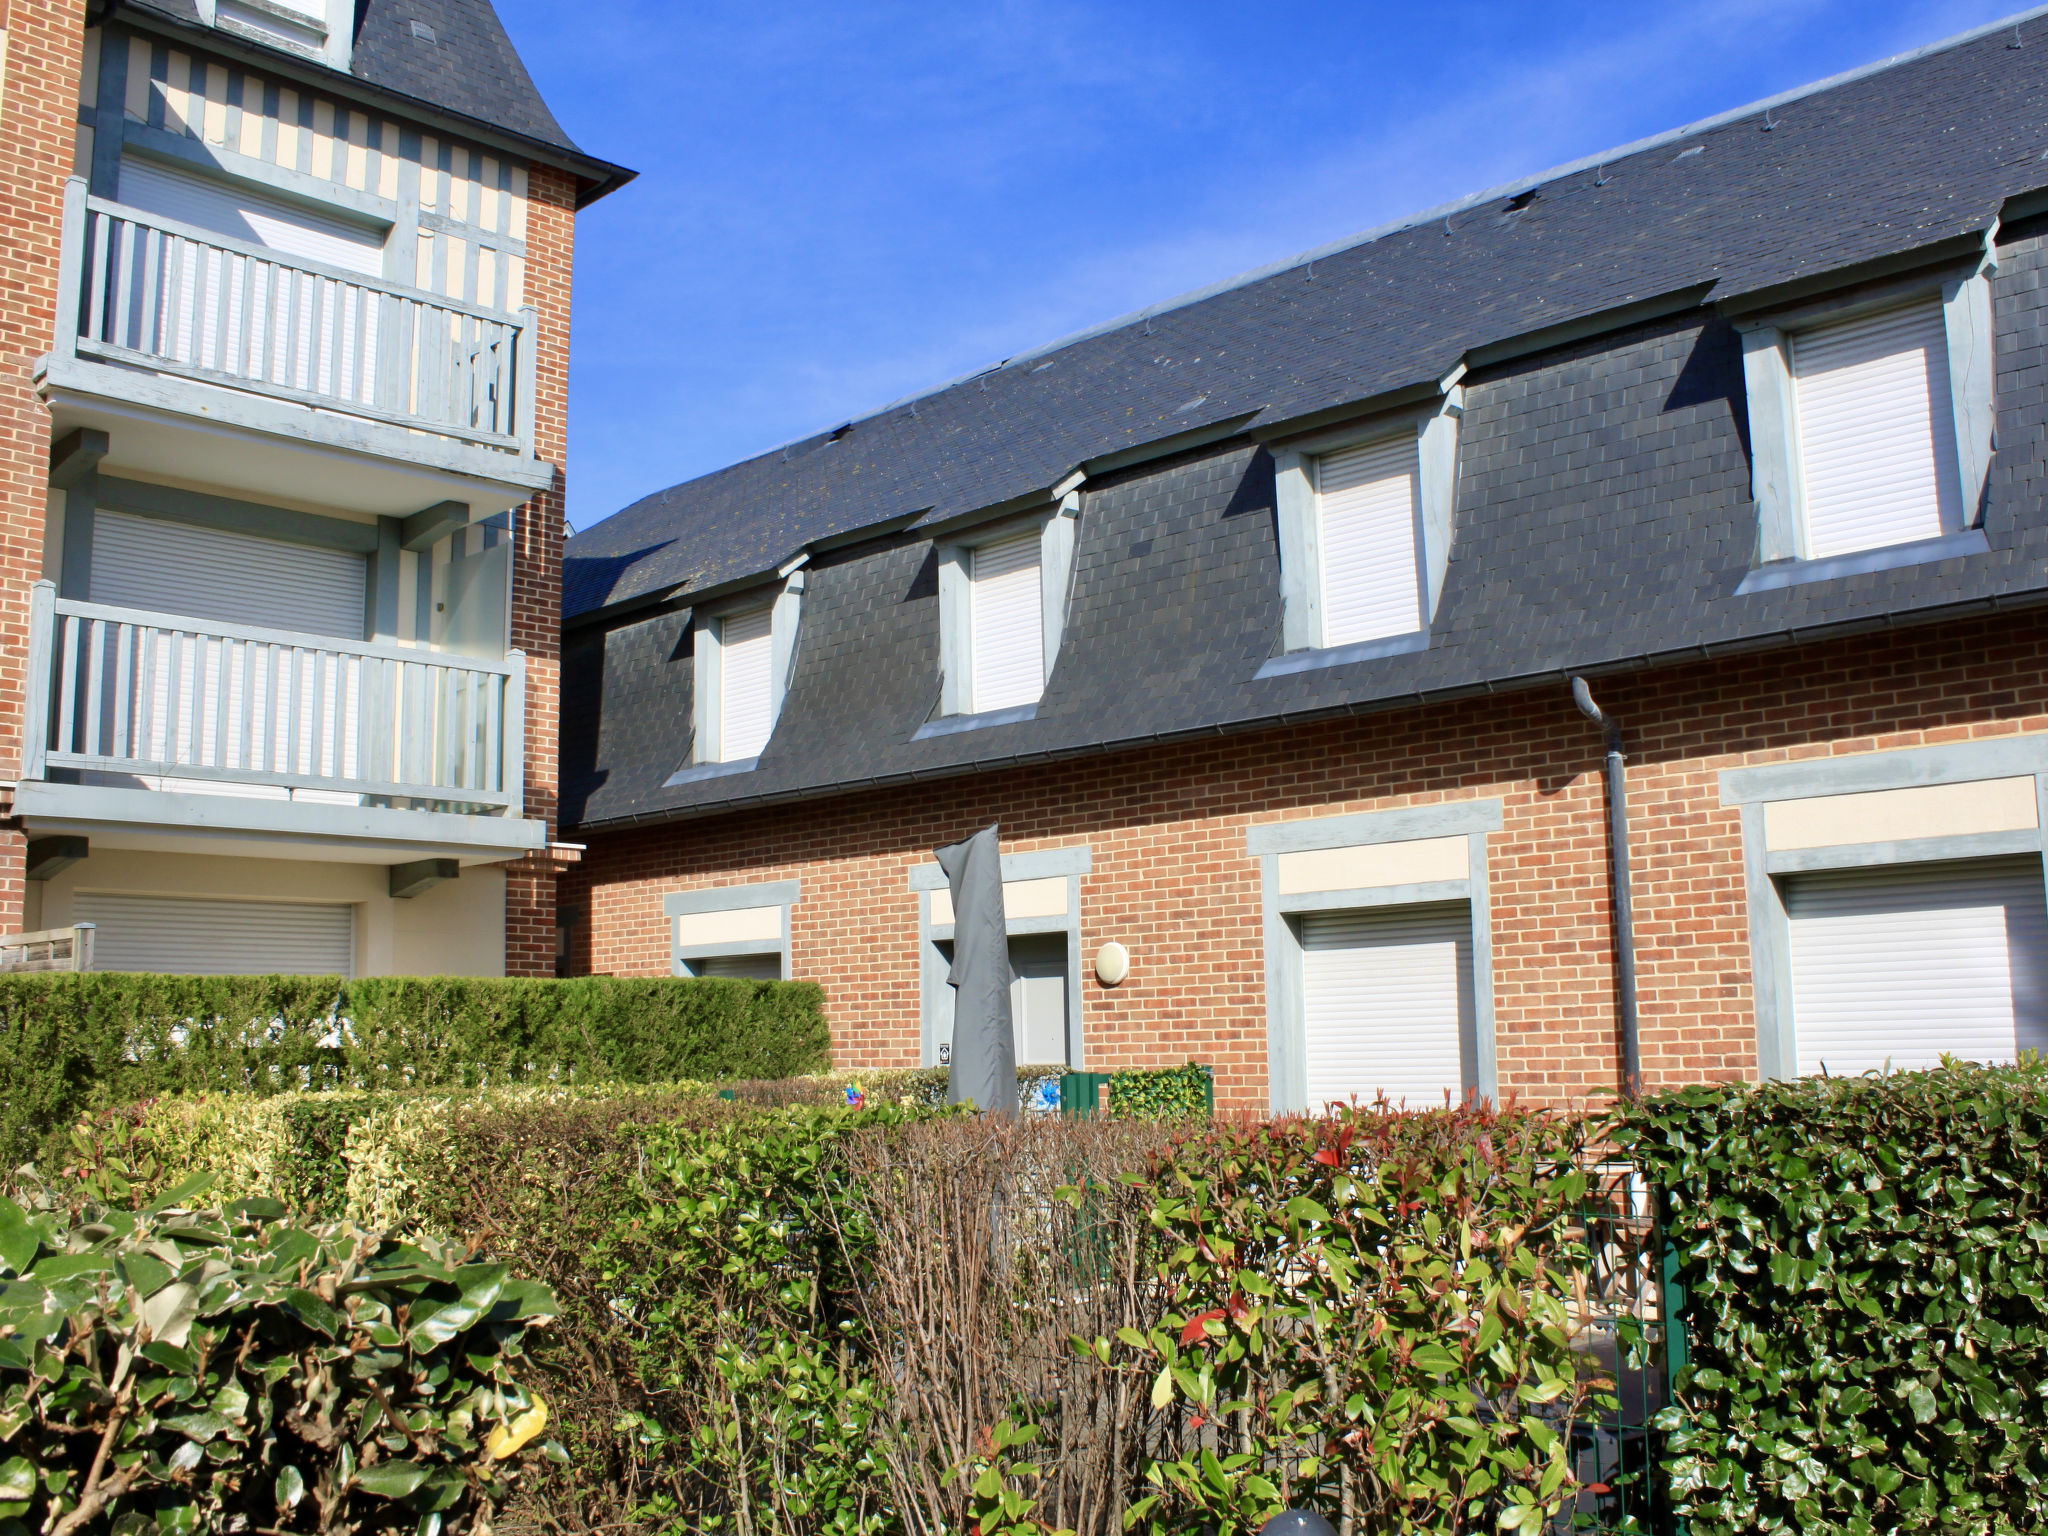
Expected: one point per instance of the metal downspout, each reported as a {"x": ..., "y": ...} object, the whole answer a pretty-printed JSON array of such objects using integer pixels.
[{"x": 1617, "y": 860}]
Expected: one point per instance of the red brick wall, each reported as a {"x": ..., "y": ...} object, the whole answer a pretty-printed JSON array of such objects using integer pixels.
[
  {"x": 1172, "y": 880},
  {"x": 38, "y": 129},
  {"x": 537, "y": 567}
]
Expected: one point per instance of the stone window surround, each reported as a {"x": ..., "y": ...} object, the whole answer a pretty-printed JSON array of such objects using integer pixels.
[
  {"x": 1756, "y": 790},
  {"x": 1069, "y": 864},
  {"x": 1269, "y": 842},
  {"x": 780, "y": 894}
]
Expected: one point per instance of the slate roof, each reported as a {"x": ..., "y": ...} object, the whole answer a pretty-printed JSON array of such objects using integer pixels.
[
  {"x": 1603, "y": 508},
  {"x": 469, "y": 69}
]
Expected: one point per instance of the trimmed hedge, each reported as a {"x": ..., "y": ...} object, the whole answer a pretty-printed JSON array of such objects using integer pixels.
[
  {"x": 1866, "y": 1261},
  {"x": 71, "y": 1044}
]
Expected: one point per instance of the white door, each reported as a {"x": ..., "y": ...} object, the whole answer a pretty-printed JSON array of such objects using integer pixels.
[
  {"x": 203, "y": 293},
  {"x": 1038, "y": 999},
  {"x": 740, "y": 967},
  {"x": 1898, "y": 965},
  {"x": 176, "y": 681},
  {"x": 193, "y": 936},
  {"x": 1387, "y": 1005}
]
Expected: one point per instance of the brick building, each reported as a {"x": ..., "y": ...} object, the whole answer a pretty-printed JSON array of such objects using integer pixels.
[
  {"x": 283, "y": 366},
  {"x": 1253, "y": 621}
]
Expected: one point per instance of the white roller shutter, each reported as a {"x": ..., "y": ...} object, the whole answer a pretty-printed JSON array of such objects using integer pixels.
[
  {"x": 1877, "y": 437},
  {"x": 1007, "y": 614},
  {"x": 741, "y": 967},
  {"x": 194, "y": 936},
  {"x": 1900, "y": 964},
  {"x": 1366, "y": 508},
  {"x": 234, "y": 578},
  {"x": 242, "y": 213},
  {"x": 1387, "y": 1005},
  {"x": 745, "y": 705}
]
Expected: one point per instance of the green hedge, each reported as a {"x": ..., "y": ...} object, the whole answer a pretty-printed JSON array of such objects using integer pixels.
[
  {"x": 74, "y": 1043},
  {"x": 1866, "y": 1262},
  {"x": 180, "y": 1371}
]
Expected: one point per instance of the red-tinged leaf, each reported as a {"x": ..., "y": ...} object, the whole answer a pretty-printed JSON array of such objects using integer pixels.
[
  {"x": 1237, "y": 1307},
  {"x": 1327, "y": 1158},
  {"x": 1194, "y": 1333},
  {"x": 1596, "y": 1488}
]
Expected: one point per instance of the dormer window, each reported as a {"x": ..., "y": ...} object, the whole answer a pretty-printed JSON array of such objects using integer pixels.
[
  {"x": 1006, "y": 657},
  {"x": 317, "y": 29},
  {"x": 1002, "y": 607},
  {"x": 1365, "y": 535},
  {"x": 1368, "y": 513},
  {"x": 1870, "y": 421},
  {"x": 744, "y": 651},
  {"x": 745, "y": 716}
]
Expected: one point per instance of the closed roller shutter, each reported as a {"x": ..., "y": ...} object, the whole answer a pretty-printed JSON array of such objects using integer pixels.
[
  {"x": 192, "y": 936},
  {"x": 242, "y": 213},
  {"x": 740, "y": 967},
  {"x": 1038, "y": 999},
  {"x": 1877, "y": 436},
  {"x": 1007, "y": 612},
  {"x": 233, "y": 578},
  {"x": 745, "y": 717},
  {"x": 1387, "y": 1005},
  {"x": 1900, "y": 965},
  {"x": 1366, "y": 506}
]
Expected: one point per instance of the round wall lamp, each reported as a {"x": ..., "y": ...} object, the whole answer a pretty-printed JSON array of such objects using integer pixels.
[{"x": 1112, "y": 963}]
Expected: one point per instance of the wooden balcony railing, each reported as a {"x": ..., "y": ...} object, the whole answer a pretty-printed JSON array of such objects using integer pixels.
[
  {"x": 184, "y": 301},
  {"x": 226, "y": 708}
]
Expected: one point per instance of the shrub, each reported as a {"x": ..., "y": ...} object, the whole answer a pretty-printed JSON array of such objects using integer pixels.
[
  {"x": 1865, "y": 1261},
  {"x": 1171, "y": 1093},
  {"x": 70, "y": 1044},
  {"x": 1366, "y": 1313},
  {"x": 178, "y": 1371}
]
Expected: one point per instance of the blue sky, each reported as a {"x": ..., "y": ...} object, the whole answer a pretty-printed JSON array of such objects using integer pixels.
[{"x": 842, "y": 204}]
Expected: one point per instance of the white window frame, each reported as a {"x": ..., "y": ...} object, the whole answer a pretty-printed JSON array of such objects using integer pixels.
[
  {"x": 1282, "y": 908},
  {"x": 1434, "y": 428},
  {"x": 328, "y": 37},
  {"x": 785, "y": 605},
  {"x": 1965, "y": 296},
  {"x": 1056, "y": 526}
]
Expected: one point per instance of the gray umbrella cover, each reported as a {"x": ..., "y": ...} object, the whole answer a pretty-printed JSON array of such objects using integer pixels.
[{"x": 984, "y": 1067}]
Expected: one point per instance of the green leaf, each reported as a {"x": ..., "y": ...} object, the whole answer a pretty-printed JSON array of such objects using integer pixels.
[
  {"x": 17, "y": 1478},
  {"x": 1921, "y": 1401},
  {"x": 391, "y": 1479},
  {"x": 289, "y": 1488},
  {"x": 18, "y": 1238},
  {"x": 180, "y": 1195},
  {"x": 1162, "y": 1388},
  {"x": 312, "y": 1311}
]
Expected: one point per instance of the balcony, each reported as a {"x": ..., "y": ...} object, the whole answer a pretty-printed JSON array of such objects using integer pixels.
[
  {"x": 153, "y": 720},
  {"x": 167, "y": 320}
]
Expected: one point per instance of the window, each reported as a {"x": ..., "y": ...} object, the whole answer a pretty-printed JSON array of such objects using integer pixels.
[
  {"x": 1896, "y": 906},
  {"x": 1379, "y": 956},
  {"x": 319, "y": 29},
  {"x": 1365, "y": 517},
  {"x": 1870, "y": 421},
  {"x": 1366, "y": 514},
  {"x": 1877, "y": 444},
  {"x": 737, "y": 931},
  {"x": 1002, "y": 607},
  {"x": 1007, "y": 646},
  {"x": 744, "y": 706},
  {"x": 744, "y": 653}
]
